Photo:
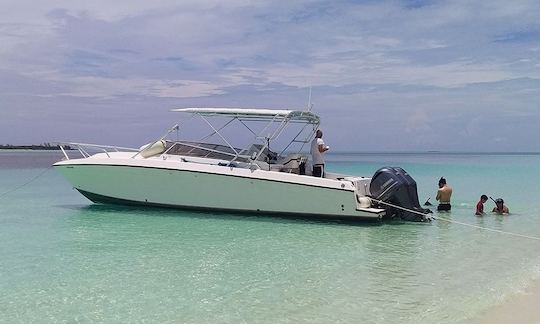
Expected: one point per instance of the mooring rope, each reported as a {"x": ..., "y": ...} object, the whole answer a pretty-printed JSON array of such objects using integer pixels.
[
  {"x": 26, "y": 183},
  {"x": 456, "y": 222}
]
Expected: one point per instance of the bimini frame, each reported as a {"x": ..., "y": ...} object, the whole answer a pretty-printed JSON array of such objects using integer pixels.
[{"x": 268, "y": 134}]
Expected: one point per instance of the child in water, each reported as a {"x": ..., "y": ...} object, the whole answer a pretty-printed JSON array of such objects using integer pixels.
[{"x": 480, "y": 205}]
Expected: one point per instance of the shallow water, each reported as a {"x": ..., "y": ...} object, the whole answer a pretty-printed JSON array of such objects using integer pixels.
[{"x": 65, "y": 259}]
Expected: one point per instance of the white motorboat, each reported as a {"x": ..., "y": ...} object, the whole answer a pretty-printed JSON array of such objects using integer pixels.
[{"x": 205, "y": 174}]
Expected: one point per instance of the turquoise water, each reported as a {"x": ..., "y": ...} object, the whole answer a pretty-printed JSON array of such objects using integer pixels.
[{"x": 64, "y": 259}]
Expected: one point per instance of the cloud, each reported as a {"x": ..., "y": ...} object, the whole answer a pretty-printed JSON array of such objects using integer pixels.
[
  {"x": 109, "y": 88},
  {"x": 418, "y": 122},
  {"x": 529, "y": 35},
  {"x": 212, "y": 41},
  {"x": 412, "y": 60}
]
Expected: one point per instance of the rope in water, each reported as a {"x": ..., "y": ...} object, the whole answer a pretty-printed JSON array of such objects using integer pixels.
[
  {"x": 456, "y": 222},
  {"x": 26, "y": 183}
]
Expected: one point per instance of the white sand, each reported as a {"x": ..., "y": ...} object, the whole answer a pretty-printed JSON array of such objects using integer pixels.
[{"x": 516, "y": 309}]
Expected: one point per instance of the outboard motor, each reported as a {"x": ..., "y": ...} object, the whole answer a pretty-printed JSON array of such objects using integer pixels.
[{"x": 395, "y": 186}]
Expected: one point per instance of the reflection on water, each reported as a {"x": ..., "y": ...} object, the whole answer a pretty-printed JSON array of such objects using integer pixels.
[{"x": 94, "y": 210}]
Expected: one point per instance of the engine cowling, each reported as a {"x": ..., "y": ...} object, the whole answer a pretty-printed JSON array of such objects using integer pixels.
[{"x": 395, "y": 186}]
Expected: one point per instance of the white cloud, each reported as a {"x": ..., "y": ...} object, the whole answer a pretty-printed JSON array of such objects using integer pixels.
[
  {"x": 382, "y": 71},
  {"x": 378, "y": 46},
  {"x": 109, "y": 88},
  {"x": 440, "y": 54},
  {"x": 418, "y": 122}
]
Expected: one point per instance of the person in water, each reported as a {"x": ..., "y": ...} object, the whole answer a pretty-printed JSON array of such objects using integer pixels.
[
  {"x": 500, "y": 208},
  {"x": 443, "y": 195},
  {"x": 480, "y": 205}
]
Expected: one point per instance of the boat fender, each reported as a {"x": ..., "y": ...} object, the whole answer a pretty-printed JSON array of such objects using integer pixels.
[
  {"x": 365, "y": 202},
  {"x": 152, "y": 149}
]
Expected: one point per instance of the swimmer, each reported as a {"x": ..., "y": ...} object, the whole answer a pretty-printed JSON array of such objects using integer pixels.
[
  {"x": 500, "y": 208},
  {"x": 443, "y": 195}
]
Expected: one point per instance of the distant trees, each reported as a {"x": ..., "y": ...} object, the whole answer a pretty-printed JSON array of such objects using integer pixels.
[{"x": 42, "y": 146}]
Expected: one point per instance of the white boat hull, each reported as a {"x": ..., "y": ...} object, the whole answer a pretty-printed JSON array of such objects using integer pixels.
[{"x": 211, "y": 187}]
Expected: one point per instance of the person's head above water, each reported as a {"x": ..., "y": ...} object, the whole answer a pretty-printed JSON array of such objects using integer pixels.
[
  {"x": 499, "y": 201},
  {"x": 484, "y": 198},
  {"x": 318, "y": 134},
  {"x": 442, "y": 182}
]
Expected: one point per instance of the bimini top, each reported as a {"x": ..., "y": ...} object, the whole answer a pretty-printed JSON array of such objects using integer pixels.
[{"x": 299, "y": 115}]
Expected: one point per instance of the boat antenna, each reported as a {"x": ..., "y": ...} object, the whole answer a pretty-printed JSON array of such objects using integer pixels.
[{"x": 310, "y": 105}]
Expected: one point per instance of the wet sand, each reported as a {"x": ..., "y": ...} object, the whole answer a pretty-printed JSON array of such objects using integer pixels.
[{"x": 518, "y": 308}]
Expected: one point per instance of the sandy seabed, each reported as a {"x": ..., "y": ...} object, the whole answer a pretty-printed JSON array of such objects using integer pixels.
[{"x": 520, "y": 308}]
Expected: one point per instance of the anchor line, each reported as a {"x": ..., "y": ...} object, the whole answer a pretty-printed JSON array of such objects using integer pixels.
[
  {"x": 456, "y": 222},
  {"x": 26, "y": 183}
]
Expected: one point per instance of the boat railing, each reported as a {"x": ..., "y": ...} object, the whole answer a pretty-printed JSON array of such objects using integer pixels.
[{"x": 86, "y": 150}]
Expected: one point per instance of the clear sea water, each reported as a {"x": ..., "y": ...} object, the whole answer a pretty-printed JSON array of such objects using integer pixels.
[{"x": 64, "y": 259}]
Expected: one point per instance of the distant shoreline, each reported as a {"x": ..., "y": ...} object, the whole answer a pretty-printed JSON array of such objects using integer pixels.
[
  {"x": 42, "y": 147},
  {"x": 50, "y": 147}
]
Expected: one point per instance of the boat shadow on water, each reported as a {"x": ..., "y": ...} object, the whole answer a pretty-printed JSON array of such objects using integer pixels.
[{"x": 152, "y": 211}]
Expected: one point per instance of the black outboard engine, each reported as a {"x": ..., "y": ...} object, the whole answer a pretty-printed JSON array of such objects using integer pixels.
[{"x": 395, "y": 186}]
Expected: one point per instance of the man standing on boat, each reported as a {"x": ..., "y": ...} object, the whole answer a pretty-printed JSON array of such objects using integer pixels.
[
  {"x": 443, "y": 195},
  {"x": 317, "y": 149}
]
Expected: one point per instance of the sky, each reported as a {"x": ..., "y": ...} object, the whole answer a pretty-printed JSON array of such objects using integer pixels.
[{"x": 410, "y": 75}]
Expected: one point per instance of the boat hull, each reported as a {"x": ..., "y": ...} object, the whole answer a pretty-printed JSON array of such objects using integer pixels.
[{"x": 216, "y": 188}]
